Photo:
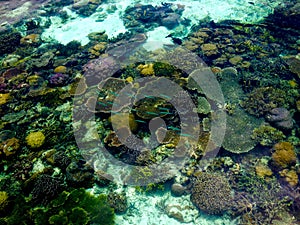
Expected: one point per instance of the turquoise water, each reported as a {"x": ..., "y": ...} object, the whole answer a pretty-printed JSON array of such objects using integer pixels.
[{"x": 149, "y": 112}]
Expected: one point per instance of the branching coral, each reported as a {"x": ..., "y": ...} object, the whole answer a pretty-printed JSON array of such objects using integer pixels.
[
  {"x": 258, "y": 200},
  {"x": 262, "y": 100},
  {"x": 45, "y": 189},
  {"x": 211, "y": 193},
  {"x": 267, "y": 135},
  {"x": 283, "y": 155}
]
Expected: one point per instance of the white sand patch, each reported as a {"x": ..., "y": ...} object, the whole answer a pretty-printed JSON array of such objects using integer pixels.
[
  {"x": 157, "y": 209},
  {"x": 78, "y": 28}
]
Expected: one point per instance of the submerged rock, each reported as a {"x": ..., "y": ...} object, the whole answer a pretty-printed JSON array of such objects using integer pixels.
[{"x": 281, "y": 118}]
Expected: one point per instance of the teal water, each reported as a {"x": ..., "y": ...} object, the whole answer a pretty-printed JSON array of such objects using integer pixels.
[{"x": 149, "y": 112}]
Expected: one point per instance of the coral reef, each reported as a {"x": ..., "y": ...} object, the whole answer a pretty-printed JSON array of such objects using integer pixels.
[
  {"x": 267, "y": 135},
  {"x": 284, "y": 155},
  {"x": 117, "y": 201},
  {"x": 262, "y": 100},
  {"x": 76, "y": 207},
  {"x": 290, "y": 176},
  {"x": 145, "y": 16},
  {"x": 58, "y": 79},
  {"x": 78, "y": 174},
  {"x": 60, "y": 69},
  {"x": 31, "y": 39},
  {"x": 4, "y": 98},
  {"x": 10, "y": 146},
  {"x": 3, "y": 200},
  {"x": 9, "y": 41},
  {"x": 146, "y": 70},
  {"x": 13, "y": 12},
  {"x": 43, "y": 176},
  {"x": 263, "y": 171},
  {"x": 35, "y": 139},
  {"x": 211, "y": 193},
  {"x": 45, "y": 189}
]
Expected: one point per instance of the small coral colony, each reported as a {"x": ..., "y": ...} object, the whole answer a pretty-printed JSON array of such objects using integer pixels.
[{"x": 254, "y": 178}]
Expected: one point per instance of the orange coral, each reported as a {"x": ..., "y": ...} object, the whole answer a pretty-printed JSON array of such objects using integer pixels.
[
  {"x": 290, "y": 176},
  {"x": 30, "y": 39},
  {"x": 10, "y": 146},
  {"x": 283, "y": 155}
]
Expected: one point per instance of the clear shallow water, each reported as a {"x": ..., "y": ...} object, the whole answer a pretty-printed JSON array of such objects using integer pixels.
[{"x": 149, "y": 113}]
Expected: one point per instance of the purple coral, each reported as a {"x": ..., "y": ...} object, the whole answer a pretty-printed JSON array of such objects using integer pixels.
[
  {"x": 58, "y": 79},
  {"x": 99, "y": 69},
  {"x": 3, "y": 87},
  {"x": 14, "y": 11}
]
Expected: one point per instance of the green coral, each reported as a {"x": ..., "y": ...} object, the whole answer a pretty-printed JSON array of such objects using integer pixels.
[
  {"x": 262, "y": 100},
  {"x": 163, "y": 69},
  {"x": 77, "y": 208},
  {"x": 203, "y": 106},
  {"x": 267, "y": 135}
]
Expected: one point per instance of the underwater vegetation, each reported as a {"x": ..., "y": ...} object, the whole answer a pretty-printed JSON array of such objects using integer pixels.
[{"x": 76, "y": 207}]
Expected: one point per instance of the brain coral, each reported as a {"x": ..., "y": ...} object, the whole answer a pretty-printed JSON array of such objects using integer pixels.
[
  {"x": 35, "y": 139},
  {"x": 211, "y": 193}
]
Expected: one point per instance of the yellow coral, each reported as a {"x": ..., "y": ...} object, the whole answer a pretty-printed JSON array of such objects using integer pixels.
[
  {"x": 4, "y": 98},
  {"x": 60, "y": 69},
  {"x": 129, "y": 79},
  {"x": 3, "y": 200},
  {"x": 263, "y": 171},
  {"x": 284, "y": 155},
  {"x": 146, "y": 69},
  {"x": 35, "y": 139},
  {"x": 120, "y": 120}
]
